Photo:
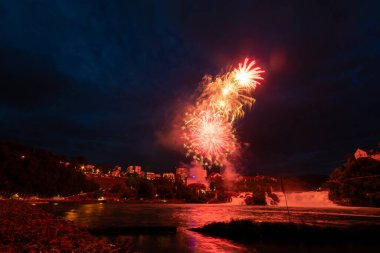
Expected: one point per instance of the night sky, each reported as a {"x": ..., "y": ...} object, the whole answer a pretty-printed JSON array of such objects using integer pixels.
[{"x": 106, "y": 79}]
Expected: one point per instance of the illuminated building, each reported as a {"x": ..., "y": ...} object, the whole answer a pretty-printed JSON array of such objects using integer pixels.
[
  {"x": 169, "y": 176},
  {"x": 360, "y": 153},
  {"x": 150, "y": 175},
  {"x": 116, "y": 172},
  {"x": 90, "y": 167},
  {"x": 134, "y": 169},
  {"x": 61, "y": 162}
]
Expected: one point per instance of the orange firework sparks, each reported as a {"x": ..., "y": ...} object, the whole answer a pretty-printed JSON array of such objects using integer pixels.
[
  {"x": 210, "y": 137},
  {"x": 208, "y": 128}
]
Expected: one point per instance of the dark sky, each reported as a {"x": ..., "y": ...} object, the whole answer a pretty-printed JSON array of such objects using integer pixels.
[{"x": 105, "y": 79}]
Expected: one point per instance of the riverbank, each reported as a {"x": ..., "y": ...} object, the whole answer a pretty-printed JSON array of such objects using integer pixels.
[
  {"x": 25, "y": 228},
  {"x": 291, "y": 233},
  {"x": 87, "y": 200}
]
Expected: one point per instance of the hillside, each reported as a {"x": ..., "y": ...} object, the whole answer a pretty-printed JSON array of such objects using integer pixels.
[{"x": 31, "y": 171}]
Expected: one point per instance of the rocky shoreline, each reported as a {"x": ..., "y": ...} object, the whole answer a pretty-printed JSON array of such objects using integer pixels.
[{"x": 25, "y": 228}]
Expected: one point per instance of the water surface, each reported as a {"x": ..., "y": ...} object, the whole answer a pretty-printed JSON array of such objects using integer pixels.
[{"x": 186, "y": 216}]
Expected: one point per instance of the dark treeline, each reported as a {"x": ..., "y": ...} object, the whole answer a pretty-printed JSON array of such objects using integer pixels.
[
  {"x": 216, "y": 191},
  {"x": 135, "y": 187},
  {"x": 32, "y": 171}
]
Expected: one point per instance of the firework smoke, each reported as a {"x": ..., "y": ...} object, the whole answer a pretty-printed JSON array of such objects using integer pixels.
[{"x": 208, "y": 127}]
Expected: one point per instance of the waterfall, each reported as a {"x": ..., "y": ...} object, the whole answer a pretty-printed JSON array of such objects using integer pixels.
[
  {"x": 306, "y": 199},
  {"x": 295, "y": 199},
  {"x": 240, "y": 199}
]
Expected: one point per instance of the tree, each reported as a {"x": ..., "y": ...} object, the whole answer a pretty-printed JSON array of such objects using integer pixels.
[
  {"x": 104, "y": 168},
  {"x": 36, "y": 171},
  {"x": 146, "y": 189},
  {"x": 164, "y": 188},
  {"x": 78, "y": 161},
  {"x": 133, "y": 182},
  {"x": 356, "y": 182},
  {"x": 115, "y": 188},
  {"x": 180, "y": 189},
  {"x": 258, "y": 196}
]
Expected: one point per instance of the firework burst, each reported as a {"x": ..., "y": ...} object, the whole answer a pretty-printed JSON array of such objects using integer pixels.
[
  {"x": 208, "y": 131},
  {"x": 209, "y": 137},
  {"x": 247, "y": 76}
]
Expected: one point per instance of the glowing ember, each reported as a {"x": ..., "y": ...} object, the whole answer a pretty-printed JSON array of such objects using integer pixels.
[{"x": 208, "y": 129}]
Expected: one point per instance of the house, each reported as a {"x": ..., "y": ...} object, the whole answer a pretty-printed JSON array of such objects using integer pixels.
[
  {"x": 360, "y": 153},
  {"x": 170, "y": 176},
  {"x": 150, "y": 175},
  {"x": 134, "y": 169},
  {"x": 66, "y": 164},
  {"x": 117, "y": 171}
]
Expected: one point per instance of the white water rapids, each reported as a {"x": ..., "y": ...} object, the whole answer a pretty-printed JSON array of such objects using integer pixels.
[{"x": 295, "y": 199}]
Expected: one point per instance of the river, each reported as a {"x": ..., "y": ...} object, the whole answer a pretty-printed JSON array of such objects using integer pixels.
[{"x": 185, "y": 216}]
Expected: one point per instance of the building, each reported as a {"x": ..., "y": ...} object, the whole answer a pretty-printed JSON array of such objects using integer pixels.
[
  {"x": 182, "y": 173},
  {"x": 150, "y": 175},
  {"x": 134, "y": 169},
  {"x": 360, "y": 153},
  {"x": 170, "y": 176},
  {"x": 157, "y": 176},
  {"x": 66, "y": 164},
  {"x": 376, "y": 156},
  {"x": 90, "y": 167},
  {"x": 116, "y": 171},
  {"x": 138, "y": 169}
]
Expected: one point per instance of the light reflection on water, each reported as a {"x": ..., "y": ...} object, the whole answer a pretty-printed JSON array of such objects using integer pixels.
[{"x": 195, "y": 215}]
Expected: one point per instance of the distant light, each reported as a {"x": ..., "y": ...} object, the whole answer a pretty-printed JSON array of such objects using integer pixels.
[
  {"x": 193, "y": 176},
  {"x": 22, "y": 157}
]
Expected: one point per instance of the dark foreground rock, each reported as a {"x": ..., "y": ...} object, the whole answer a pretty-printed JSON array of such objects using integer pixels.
[
  {"x": 25, "y": 228},
  {"x": 292, "y": 233}
]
